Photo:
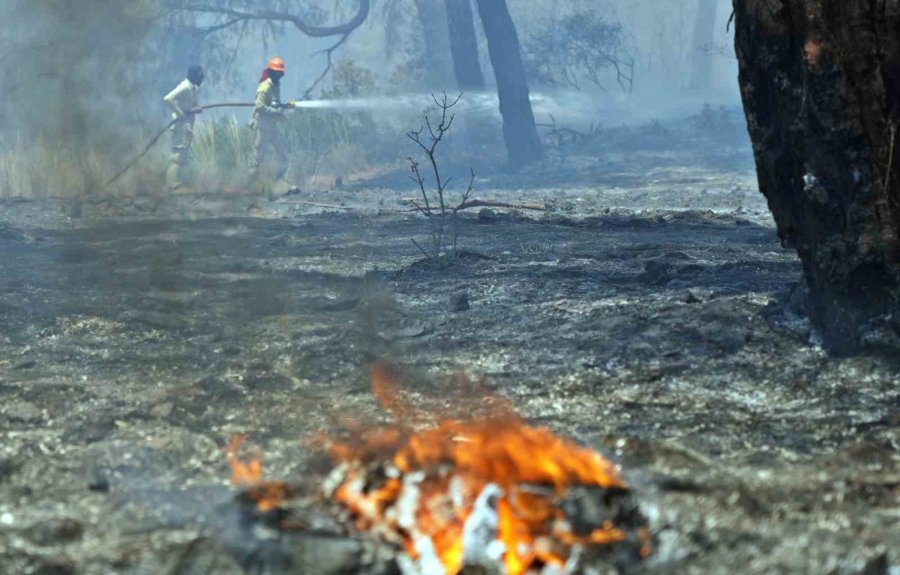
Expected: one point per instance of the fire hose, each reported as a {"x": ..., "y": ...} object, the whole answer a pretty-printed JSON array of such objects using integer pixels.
[{"x": 156, "y": 138}]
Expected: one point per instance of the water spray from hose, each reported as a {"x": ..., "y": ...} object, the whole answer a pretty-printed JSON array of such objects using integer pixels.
[
  {"x": 471, "y": 104},
  {"x": 413, "y": 102}
]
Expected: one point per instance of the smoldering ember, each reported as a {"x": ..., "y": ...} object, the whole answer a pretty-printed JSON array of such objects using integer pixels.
[{"x": 440, "y": 287}]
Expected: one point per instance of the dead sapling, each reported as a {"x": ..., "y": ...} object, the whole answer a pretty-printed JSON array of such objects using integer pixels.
[{"x": 443, "y": 247}]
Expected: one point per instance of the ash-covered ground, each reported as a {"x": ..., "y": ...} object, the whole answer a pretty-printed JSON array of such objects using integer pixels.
[{"x": 650, "y": 313}]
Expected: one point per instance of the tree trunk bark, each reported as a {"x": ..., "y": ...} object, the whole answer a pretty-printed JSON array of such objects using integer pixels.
[
  {"x": 704, "y": 34},
  {"x": 819, "y": 79},
  {"x": 464, "y": 46},
  {"x": 436, "y": 34},
  {"x": 519, "y": 130}
]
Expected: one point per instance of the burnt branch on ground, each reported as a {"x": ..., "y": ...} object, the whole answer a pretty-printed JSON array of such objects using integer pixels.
[{"x": 563, "y": 138}]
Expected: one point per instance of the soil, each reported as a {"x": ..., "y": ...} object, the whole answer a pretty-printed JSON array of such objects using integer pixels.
[{"x": 650, "y": 312}]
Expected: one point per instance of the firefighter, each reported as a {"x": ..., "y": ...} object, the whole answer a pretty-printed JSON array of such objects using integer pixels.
[
  {"x": 269, "y": 149},
  {"x": 183, "y": 102}
]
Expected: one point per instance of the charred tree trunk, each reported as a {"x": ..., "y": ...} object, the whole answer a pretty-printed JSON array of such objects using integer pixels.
[
  {"x": 519, "y": 129},
  {"x": 464, "y": 46},
  {"x": 819, "y": 80},
  {"x": 436, "y": 35},
  {"x": 704, "y": 34}
]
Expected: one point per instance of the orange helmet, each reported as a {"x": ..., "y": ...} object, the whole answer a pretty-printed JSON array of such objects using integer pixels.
[{"x": 276, "y": 64}]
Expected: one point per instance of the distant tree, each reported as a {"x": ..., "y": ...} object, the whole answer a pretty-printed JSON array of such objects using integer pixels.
[
  {"x": 580, "y": 47},
  {"x": 702, "y": 45},
  {"x": 349, "y": 80},
  {"x": 438, "y": 56},
  {"x": 666, "y": 46},
  {"x": 449, "y": 49},
  {"x": 519, "y": 129},
  {"x": 464, "y": 46}
]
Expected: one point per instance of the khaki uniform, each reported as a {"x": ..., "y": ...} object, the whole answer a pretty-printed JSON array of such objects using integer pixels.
[
  {"x": 181, "y": 100},
  {"x": 269, "y": 148}
]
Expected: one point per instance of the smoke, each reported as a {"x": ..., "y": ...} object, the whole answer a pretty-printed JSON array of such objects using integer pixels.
[
  {"x": 469, "y": 102},
  {"x": 570, "y": 108},
  {"x": 73, "y": 84},
  {"x": 81, "y": 54}
]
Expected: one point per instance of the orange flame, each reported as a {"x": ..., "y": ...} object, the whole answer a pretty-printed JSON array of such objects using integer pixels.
[
  {"x": 248, "y": 473},
  {"x": 243, "y": 472},
  {"x": 421, "y": 489}
]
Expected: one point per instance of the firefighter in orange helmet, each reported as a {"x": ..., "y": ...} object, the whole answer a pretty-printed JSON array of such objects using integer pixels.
[{"x": 269, "y": 148}]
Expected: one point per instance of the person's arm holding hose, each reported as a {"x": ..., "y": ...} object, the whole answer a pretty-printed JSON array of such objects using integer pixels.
[{"x": 183, "y": 99}]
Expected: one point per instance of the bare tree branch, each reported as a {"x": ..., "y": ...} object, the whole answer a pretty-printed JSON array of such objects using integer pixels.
[
  {"x": 443, "y": 250},
  {"x": 329, "y": 57},
  {"x": 213, "y": 29},
  {"x": 275, "y": 16},
  {"x": 268, "y": 17},
  {"x": 417, "y": 178}
]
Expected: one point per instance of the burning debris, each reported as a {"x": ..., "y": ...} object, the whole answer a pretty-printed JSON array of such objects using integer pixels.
[
  {"x": 489, "y": 493},
  {"x": 247, "y": 473}
]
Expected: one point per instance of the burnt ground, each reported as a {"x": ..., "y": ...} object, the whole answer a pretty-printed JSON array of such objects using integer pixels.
[{"x": 647, "y": 313}]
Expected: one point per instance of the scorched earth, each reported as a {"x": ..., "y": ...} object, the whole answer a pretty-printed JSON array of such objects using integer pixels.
[{"x": 649, "y": 314}]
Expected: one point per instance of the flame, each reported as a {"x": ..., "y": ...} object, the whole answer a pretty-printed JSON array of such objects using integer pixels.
[
  {"x": 425, "y": 490},
  {"x": 243, "y": 472},
  {"x": 248, "y": 473},
  {"x": 453, "y": 491}
]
